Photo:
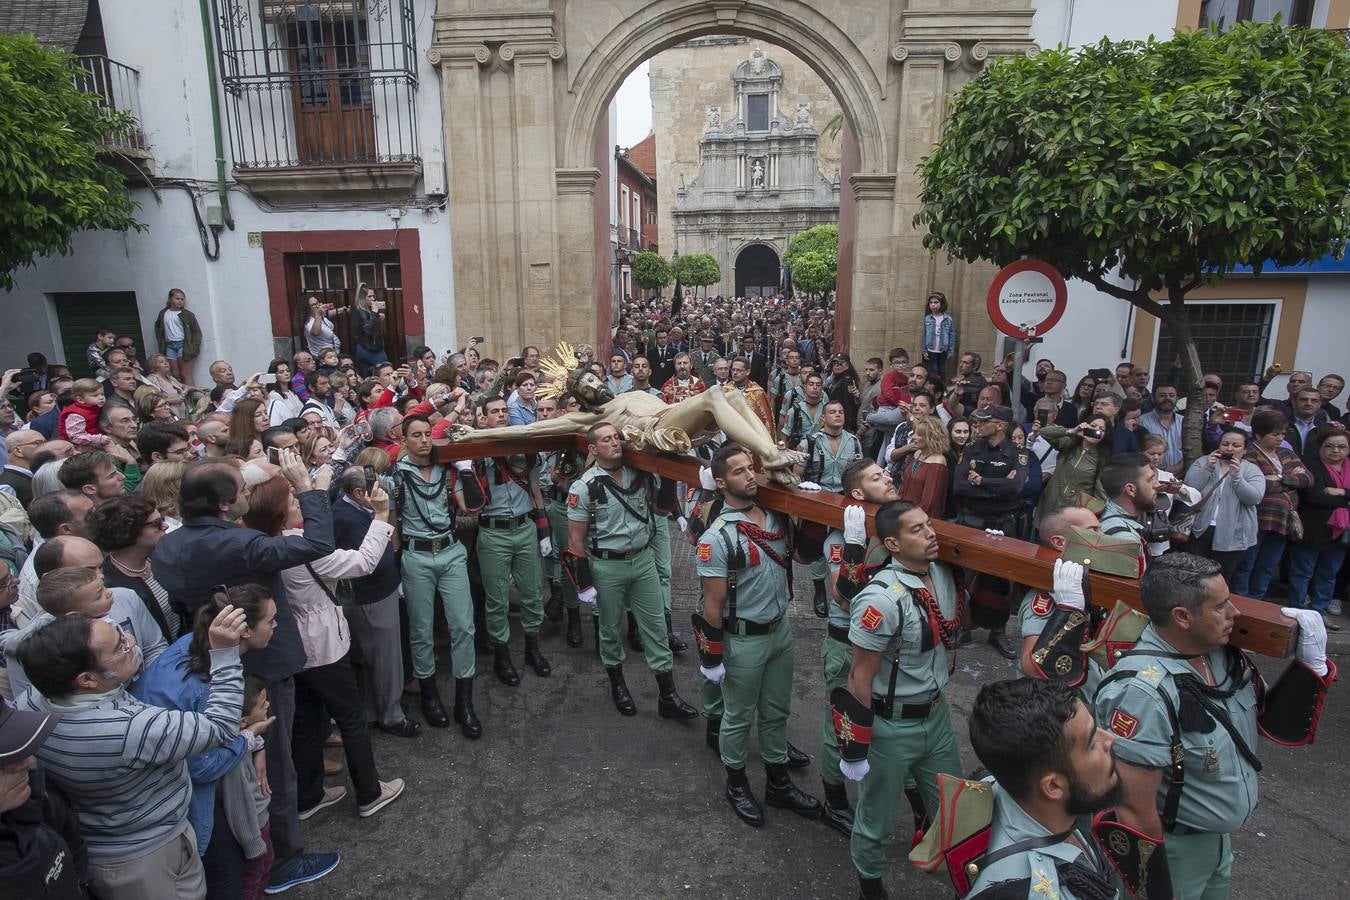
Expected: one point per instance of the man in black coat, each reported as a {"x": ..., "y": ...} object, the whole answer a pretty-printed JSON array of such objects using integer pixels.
[
  {"x": 212, "y": 548},
  {"x": 41, "y": 853}
]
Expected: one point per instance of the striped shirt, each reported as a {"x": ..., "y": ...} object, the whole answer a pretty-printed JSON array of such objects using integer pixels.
[{"x": 123, "y": 764}]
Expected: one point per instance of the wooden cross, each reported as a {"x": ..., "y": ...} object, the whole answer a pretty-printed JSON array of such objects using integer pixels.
[{"x": 1260, "y": 626}]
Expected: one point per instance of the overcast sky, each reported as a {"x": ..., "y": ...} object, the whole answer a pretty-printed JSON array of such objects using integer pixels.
[{"x": 634, "y": 100}]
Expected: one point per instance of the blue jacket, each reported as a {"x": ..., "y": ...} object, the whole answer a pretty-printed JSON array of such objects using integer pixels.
[
  {"x": 209, "y": 551},
  {"x": 947, "y": 337},
  {"x": 350, "y": 524},
  {"x": 167, "y": 684}
]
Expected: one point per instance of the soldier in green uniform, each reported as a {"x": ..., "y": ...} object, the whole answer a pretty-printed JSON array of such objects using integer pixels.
[
  {"x": 903, "y": 627},
  {"x": 1040, "y": 608},
  {"x": 744, "y": 636},
  {"x": 547, "y": 408},
  {"x": 827, "y": 453},
  {"x": 425, "y": 497},
  {"x": 804, "y": 415},
  {"x": 1131, "y": 488},
  {"x": 1052, "y": 768},
  {"x": 609, "y": 556},
  {"x": 1183, "y": 706},
  {"x": 513, "y": 535},
  {"x": 853, "y": 559}
]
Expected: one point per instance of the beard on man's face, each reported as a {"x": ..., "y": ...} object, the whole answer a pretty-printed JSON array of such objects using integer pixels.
[{"x": 1083, "y": 803}]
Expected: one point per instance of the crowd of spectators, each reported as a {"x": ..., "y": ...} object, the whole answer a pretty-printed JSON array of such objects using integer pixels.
[{"x": 200, "y": 586}]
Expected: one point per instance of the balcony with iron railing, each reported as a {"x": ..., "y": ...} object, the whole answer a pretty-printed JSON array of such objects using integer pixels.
[
  {"x": 320, "y": 96},
  {"x": 117, "y": 87}
]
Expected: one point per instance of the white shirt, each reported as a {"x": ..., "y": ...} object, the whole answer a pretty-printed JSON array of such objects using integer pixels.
[
  {"x": 326, "y": 339},
  {"x": 173, "y": 325}
]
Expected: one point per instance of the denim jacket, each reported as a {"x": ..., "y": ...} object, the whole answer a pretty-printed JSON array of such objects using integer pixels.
[{"x": 946, "y": 338}]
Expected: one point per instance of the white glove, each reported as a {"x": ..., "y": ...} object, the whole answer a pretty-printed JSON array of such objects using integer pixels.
[
  {"x": 545, "y": 546},
  {"x": 705, "y": 479},
  {"x": 715, "y": 674},
  {"x": 994, "y": 532},
  {"x": 683, "y": 523},
  {"x": 587, "y": 596},
  {"x": 854, "y": 771},
  {"x": 809, "y": 486},
  {"x": 1069, "y": 584},
  {"x": 464, "y": 465},
  {"x": 855, "y": 524},
  {"x": 1312, "y": 638}
]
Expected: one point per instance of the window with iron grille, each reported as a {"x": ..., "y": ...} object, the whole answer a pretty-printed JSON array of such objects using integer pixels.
[
  {"x": 1232, "y": 339},
  {"x": 318, "y": 82}
]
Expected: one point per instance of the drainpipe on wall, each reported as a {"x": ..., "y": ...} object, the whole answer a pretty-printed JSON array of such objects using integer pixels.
[{"x": 221, "y": 190}]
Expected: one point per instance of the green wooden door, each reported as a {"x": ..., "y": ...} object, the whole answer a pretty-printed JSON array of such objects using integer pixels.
[{"x": 80, "y": 316}]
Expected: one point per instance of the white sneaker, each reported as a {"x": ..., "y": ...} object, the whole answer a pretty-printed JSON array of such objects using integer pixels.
[
  {"x": 331, "y": 795},
  {"x": 1335, "y": 607},
  {"x": 389, "y": 792}
]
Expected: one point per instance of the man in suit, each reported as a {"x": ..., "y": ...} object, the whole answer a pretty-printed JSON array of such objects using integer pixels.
[
  {"x": 17, "y": 476},
  {"x": 755, "y": 359},
  {"x": 1308, "y": 417},
  {"x": 661, "y": 355}
]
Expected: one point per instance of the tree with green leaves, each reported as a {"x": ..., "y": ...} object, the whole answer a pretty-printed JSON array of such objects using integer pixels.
[
  {"x": 822, "y": 239},
  {"x": 1147, "y": 169},
  {"x": 53, "y": 182},
  {"x": 651, "y": 270},
  {"x": 698, "y": 270},
  {"x": 813, "y": 272}
]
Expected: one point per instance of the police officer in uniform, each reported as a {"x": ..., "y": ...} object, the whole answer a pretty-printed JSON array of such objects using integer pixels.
[
  {"x": 1052, "y": 768},
  {"x": 610, "y": 511},
  {"x": 903, "y": 627},
  {"x": 426, "y": 495},
  {"x": 513, "y": 536},
  {"x": 853, "y": 558},
  {"x": 988, "y": 488},
  {"x": 744, "y": 637},
  {"x": 1183, "y": 706},
  {"x": 828, "y": 452}
]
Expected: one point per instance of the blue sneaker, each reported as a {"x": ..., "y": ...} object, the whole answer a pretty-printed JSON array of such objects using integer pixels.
[{"x": 302, "y": 870}]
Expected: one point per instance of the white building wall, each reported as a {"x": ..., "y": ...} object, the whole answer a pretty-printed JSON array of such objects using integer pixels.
[
  {"x": 229, "y": 295},
  {"x": 1322, "y": 345}
]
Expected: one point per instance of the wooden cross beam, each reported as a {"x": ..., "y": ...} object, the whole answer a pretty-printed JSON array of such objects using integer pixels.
[{"x": 1260, "y": 627}]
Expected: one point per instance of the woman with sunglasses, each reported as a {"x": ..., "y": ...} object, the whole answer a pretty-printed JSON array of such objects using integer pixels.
[{"x": 127, "y": 528}]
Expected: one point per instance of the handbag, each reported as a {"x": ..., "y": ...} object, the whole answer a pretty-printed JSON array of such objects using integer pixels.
[{"x": 343, "y": 592}]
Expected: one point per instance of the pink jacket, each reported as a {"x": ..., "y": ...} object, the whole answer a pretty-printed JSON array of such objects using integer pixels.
[{"x": 323, "y": 628}]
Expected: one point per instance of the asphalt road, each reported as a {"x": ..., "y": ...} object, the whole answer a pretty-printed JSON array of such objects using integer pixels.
[{"x": 563, "y": 797}]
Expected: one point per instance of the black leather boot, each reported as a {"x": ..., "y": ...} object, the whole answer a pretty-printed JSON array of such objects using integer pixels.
[
  {"x": 502, "y": 665},
  {"x": 672, "y": 641},
  {"x": 871, "y": 889},
  {"x": 618, "y": 689},
  {"x": 432, "y": 708},
  {"x": 671, "y": 705},
  {"x": 534, "y": 658},
  {"x": 634, "y": 638},
  {"x": 553, "y": 606},
  {"x": 742, "y": 800},
  {"x": 964, "y": 637},
  {"x": 464, "y": 714},
  {"x": 574, "y": 627},
  {"x": 838, "y": 812},
  {"x": 820, "y": 602},
  {"x": 999, "y": 641},
  {"x": 780, "y": 791},
  {"x": 713, "y": 736},
  {"x": 797, "y": 759}
]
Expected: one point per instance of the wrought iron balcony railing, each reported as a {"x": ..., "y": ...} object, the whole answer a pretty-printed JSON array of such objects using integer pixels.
[{"x": 118, "y": 88}]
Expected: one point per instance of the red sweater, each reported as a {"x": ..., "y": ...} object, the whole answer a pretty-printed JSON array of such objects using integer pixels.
[
  {"x": 89, "y": 412},
  {"x": 894, "y": 389}
]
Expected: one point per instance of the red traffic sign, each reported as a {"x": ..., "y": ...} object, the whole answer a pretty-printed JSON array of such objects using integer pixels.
[{"x": 1027, "y": 298}]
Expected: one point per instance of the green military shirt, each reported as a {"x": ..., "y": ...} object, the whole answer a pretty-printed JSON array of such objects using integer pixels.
[
  {"x": 886, "y": 617},
  {"x": 1220, "y": 785},
  {"x": 825, "y": 466},
  {"x": 425, "y": 508},
  {"x": 617, "y": 528},
  {"x": 505, "y": 497},
  {"x": 1039, "y": 865},
  {"x": 1036, "y": 609},
  {"x": 762, "y": 584},
  {"x": 801, "y": 420},
  {"x": 834, "y": 556},
  {"x": 1117, "y": 521}
]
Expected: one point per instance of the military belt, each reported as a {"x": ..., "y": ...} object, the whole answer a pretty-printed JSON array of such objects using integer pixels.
[
  {"x": 431, "y": 545},
  {"x": 502, "y": 521},
  {"x": 617, "y": 554},
  {"x": 748, "y": 628},
  {"x": 1185, "y": 830},
  {"x": 907, "y": 710},
  {"x": 839, "y": 633}
]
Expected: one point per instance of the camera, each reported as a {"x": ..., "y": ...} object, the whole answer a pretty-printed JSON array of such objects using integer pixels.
[
  {"x": 1225, "y": 454},
  {"x": 1094, "y": 432}
]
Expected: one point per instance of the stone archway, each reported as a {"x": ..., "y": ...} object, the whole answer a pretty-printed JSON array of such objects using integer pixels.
[
  {"x": 757, "y": 270},
  {"x": 524, "y": 90}
]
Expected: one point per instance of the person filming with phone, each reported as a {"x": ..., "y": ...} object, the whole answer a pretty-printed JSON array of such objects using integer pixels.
[
  {"x": 1230, "y": 490},
  {"x": 368, "y": 329}
]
